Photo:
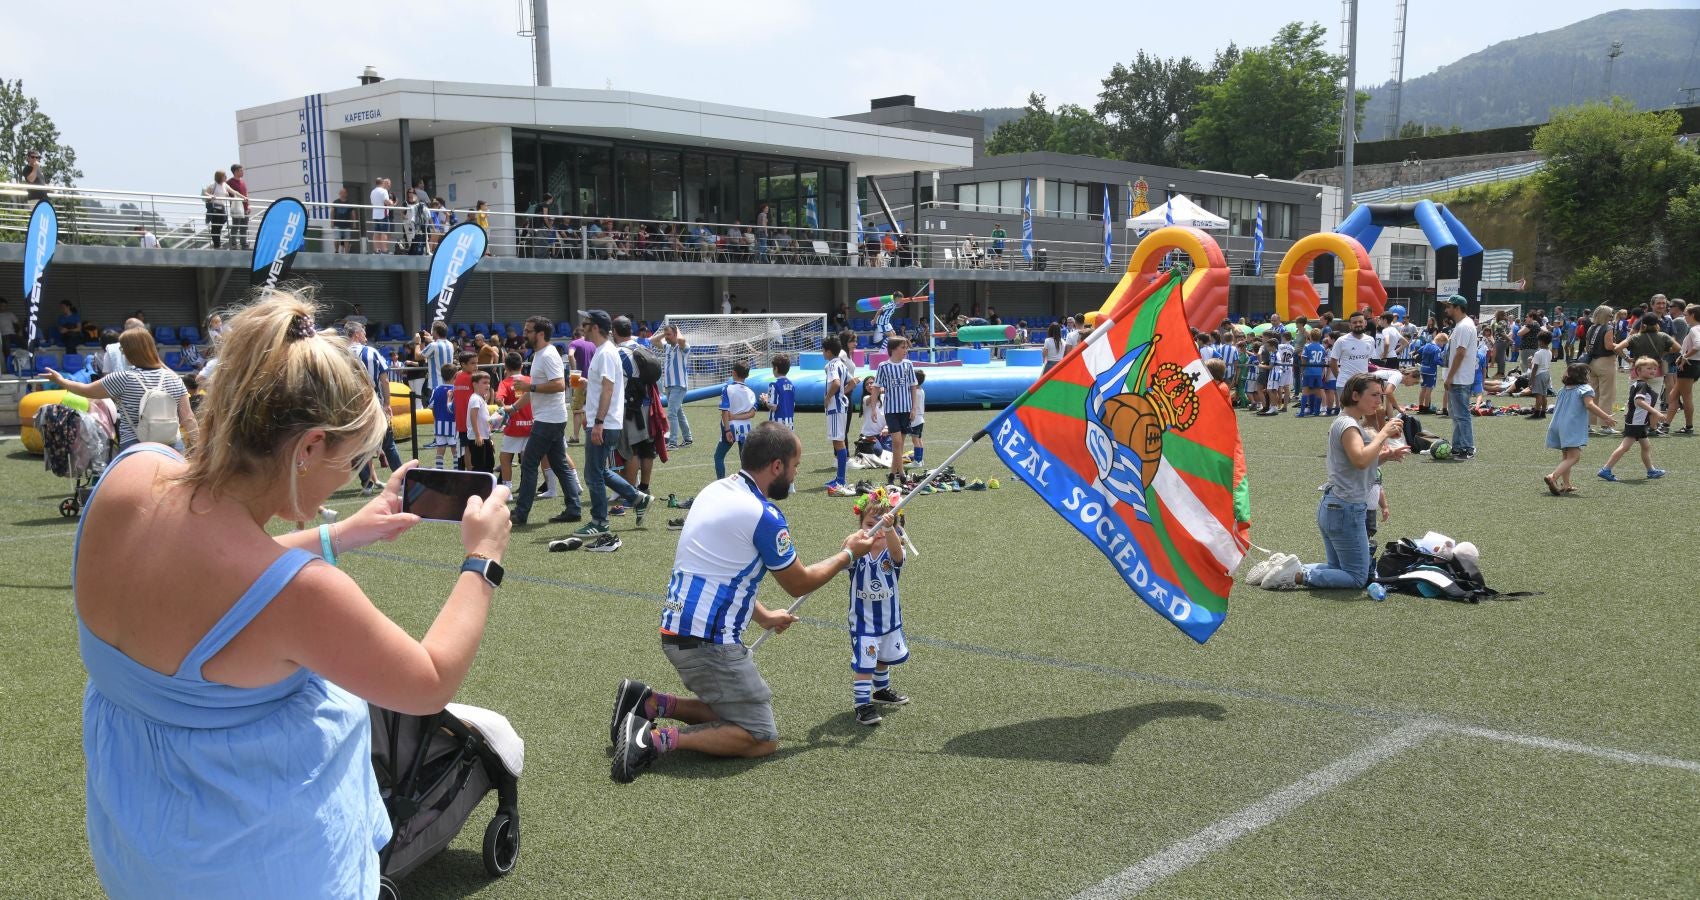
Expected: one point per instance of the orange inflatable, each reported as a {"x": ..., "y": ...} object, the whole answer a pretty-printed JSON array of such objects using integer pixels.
[
  {"x": 1205, "y": 291},
  {"x": 1360, "y": 287}
]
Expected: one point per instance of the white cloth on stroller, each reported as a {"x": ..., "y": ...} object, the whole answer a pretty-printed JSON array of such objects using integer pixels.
[{"x": 500, "y": 735}]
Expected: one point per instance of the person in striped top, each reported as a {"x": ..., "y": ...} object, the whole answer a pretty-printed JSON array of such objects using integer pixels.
[
  {"x": 733, "y": 536},
  {"x": 840, "y": 377},
  {"x": 737, "y": 409},
  {"x": 378, "y": 371},
  {"x": 675, "y": 377},
  {"x": 896, "y": 377},
  {"x": 439, "y": 353},
  {"x": 876, "y": 619}
]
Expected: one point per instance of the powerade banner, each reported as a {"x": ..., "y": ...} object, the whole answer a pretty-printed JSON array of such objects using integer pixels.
[
  {"x": 39, "y": 244},
  {"x": 457, "y": 253},
  {"x": 283, "y": 232},
  {"x": 1131, "y": 441}
]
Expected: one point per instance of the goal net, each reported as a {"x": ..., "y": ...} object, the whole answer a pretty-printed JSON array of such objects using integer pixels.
[
  {"x": 716, "y": 342},
  {"x": 1513, "y": 312}
]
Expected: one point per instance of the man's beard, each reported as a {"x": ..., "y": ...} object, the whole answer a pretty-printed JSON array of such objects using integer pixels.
[{"x": 779, "y": 488}]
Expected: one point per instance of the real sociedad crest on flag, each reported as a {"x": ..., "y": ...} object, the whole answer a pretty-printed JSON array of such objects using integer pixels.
[
  {"x": 282, "y": 234},
  {"x": 457, "y": 253},
  {"x": 39, "y": 244}
]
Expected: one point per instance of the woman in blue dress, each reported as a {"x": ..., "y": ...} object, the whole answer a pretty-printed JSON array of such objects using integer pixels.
[{"x": 224, "y": 724}]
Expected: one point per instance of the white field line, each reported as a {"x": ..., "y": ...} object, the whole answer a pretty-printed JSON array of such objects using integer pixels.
[{"x": 1189, "y": 851}]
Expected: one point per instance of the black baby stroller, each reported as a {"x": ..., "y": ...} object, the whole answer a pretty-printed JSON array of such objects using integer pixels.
[
  {"x": 75, "y": 445},
  {"x": 433, "y": 771}
]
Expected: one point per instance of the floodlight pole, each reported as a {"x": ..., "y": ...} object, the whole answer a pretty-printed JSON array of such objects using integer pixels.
[
  {"x": 540, "y": 42},
  {"x": 1350, "y": 113}
]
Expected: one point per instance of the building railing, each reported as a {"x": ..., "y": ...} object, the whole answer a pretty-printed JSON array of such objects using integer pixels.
[
  {"x": 89, "y": 216},
  {"x": 1400, "y": 192}
]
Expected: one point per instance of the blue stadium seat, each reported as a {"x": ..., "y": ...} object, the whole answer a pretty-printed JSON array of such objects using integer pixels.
[
  {"x": 174, "y": 361},
  {"x": 563, "y": 329},
  {"x": 516, "y": 328},
  {"x": 164, "y": 335},
  {"x": 44, "y": 360},
  {"x": 74, "y": 362},
  {"x": 394, "y": 332},
  {"x": 189, "y": 333}
]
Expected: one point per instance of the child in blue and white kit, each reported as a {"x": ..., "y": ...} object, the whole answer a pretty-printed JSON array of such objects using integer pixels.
[
  {"x": 876, "y": 619},
  {"x": 443, "y": 434},
  {"x": 918, "y": 417},
  {"x": 781, "y": 395}
]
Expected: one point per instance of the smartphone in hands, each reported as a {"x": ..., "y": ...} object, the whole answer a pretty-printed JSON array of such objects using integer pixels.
[{"x": 440, "y": 495}]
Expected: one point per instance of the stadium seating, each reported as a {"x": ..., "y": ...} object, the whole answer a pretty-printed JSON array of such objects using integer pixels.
[
  {"x": 189, "y": 333},
  {"x": 164, "y": 335}
]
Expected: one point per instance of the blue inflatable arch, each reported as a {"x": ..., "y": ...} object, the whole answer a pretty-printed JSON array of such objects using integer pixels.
[{"x": 1457, "y": 254}]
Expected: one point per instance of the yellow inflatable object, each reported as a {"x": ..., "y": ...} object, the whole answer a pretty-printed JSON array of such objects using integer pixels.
[
  {"x": 1360, "y": 287},
  {"x": 1205, "y": 291},
  {"x": 401, "y": 397},
  {"x": 399, "y": 424},
  {"x": 27, "y": 407}
]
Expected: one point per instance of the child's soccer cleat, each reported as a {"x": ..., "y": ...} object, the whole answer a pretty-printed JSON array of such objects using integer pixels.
[
  {"x": 866, "y": 714},
  {"x": 889, "y": 697}
]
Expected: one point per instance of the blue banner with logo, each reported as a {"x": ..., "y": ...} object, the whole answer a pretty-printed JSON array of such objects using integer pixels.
[
  {"x": 282, "y": 234},
  {"x": 457, "y": 253},
  {"x": 39, "y": 244}
]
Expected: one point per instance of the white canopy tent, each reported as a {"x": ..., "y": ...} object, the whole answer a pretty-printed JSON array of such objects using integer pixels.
[{"x": 1182, "y": 212}]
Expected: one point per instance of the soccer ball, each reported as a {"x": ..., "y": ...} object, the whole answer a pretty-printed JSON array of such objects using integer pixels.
[
  {"x": 994, "y": 484},
  {"x": 1440, "y": 450}
]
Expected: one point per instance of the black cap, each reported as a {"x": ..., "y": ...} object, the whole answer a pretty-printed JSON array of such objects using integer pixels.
[{"x": 599, "y": 318}]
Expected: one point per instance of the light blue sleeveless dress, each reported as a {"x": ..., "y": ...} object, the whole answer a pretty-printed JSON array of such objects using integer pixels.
[{"x": 197, "y": 789}]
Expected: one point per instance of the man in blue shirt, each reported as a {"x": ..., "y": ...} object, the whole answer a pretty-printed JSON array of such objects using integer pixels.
[{"x": 733, "y": 535}]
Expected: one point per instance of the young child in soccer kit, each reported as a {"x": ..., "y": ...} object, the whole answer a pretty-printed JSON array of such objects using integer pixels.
[
  {"x": 462, "y": 395},
  {"x": 443, "y": 411},
  {"x": 1260, "y": 392},
  {"x": 480, "y": 451},
  {"x": 1641, "y": 412},
  {"x": 1315, "y": 360},
  {"x": 1282, "y": 377},
  {"x": 876, "y": 619},
  {"x": 873, "y": 415},
  {"x": 1540, "y": 374},
  {"x": 1568, "y": 432},
  {"x": 737, "y": 409},
  {"x": 918, "y": 415},
  {"x": 1428, "y": 358},
  {"x": 781, "y": 396},
  {"x": 1330, "y": 397}
]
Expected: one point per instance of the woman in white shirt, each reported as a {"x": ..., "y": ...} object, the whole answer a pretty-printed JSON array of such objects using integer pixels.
[
  {"x": 1055, "y": 346},
  {"x": 1688, "y": 369},
  {"x": 218, "y": 198}
]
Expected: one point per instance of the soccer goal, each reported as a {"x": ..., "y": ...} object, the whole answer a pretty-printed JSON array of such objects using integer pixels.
[
  {"x": 716, "y": 342},
  {"x": 1513, "y": 311}
]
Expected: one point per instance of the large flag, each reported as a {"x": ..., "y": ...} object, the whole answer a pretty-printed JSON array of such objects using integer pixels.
[
  {"x": 1106, "y": 226},
  {"x": 1132, "y": 442},
  {"x": 810, "y": 213},
  {"x": 39, "y": 243},
  {"x": 282, "y": 234},
  {"x": 1027, "y": 219},
  {"x": 1257, "y": 243},
  {"x": 457, "y": 253},
  {"x": 855, "y": 226}
]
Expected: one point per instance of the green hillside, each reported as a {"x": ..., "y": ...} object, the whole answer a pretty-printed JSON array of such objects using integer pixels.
[{"x": 1518, "y": 82}]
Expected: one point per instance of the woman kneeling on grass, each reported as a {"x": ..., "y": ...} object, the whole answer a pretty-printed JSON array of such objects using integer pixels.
[
  {"x": 1354, "y": 458},
  {"x": 225, "y": 723}
]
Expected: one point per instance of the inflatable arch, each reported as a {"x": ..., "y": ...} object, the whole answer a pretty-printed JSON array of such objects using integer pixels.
[
  {"x": 1205, "y": 291},
  {"x": 1457, "y": 254},
  {"x": 1361, "y": 288}
]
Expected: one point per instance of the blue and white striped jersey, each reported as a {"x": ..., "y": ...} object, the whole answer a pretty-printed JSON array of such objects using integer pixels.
[
  {"x": 438, "y": 353},
  {"x": 839, "y": 370},
  {"x": 784, "y": 400},
  {"x": 377, "y": 368},
  {"x": 873, "y": 594},
  {"x": 736, "y": 397},
  {"x": 673, "y": 373},
  {"x": 732, "y": 536},
  {"x": 895, "y": 380}
]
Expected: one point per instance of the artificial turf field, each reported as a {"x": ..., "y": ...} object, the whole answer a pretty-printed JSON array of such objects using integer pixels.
[{"x": 1062, "y": 739}]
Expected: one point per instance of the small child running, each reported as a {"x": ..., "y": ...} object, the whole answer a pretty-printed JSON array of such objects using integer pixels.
[
  {"x": 1568, "y": 432},
  {"x": 876, "y": 620},
  {"x": 1640, "y": 413}
]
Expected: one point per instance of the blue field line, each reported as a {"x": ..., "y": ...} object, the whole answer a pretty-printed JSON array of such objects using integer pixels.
[{"x": 1188, "y": 684}]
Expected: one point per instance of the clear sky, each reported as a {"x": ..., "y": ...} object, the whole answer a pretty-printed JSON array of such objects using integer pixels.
[{"x": 146, "y": 92}]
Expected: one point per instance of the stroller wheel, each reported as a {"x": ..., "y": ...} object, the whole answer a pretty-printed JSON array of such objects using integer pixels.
[
  {"x": 501, "y": 844},
  {"x": 387, "y": 890},
  {"x": 69, "y": 507}
]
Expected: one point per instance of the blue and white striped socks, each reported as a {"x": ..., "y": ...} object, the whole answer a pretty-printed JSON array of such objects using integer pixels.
[
  {"x": 882, "y": 680},
  {"x": 863, "y": 692}
]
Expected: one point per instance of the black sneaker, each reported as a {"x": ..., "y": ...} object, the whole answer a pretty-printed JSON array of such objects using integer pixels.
[
  {"x": 515, "y": 518},
  {"x": 565, "y": 544},
  {"x": 866, "y": 714},
  {"x": 606, "y": 543},
  {"x": 563, "y": 517},
  {"x": 676, "y": 524},
  {"x": 889, "y": 697},
  {"x": 641, "y": 507},
  {"x": 628, "y": 697},
  {"x": 633, "y": 750}
]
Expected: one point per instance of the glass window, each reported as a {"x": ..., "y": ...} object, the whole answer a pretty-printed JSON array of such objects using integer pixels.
[
  {"x": 1011, "y": 196},
  {"x": 593, "y": 181},
  {"x": 634, "y": 183},
  {"x": 744, "y": 210},
  {"x": 967, "y": 196},
  {"x": 558, "y": 161},
  {"x": 528, "y": 187},
  {"x": 664, "y": 195},
  {"x": 694, "y": 187},
  {"x": 832, "y": 205}
]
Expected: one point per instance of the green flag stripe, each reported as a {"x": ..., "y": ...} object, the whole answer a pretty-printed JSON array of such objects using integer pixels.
[
  {"x": 1061, "y": 397},
  {"x": 1197, "y": 592},
  {"x": 1197, "y": 460}
]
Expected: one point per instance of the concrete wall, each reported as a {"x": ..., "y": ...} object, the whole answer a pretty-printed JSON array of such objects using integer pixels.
[
  {"x": 478, "y": 165},
  {"x": 1385, "y": 175},
  {"x": 289, "y": 151}
]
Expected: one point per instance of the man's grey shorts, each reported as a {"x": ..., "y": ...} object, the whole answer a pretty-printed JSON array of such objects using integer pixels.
[{"x": 724, "y": 676}]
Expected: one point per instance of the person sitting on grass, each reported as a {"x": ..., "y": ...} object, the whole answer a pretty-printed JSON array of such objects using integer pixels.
[
  {"x": 1354, "y": 462},
  {"x": 733, "y": 529},
  {"x": 225, "y": 723}
]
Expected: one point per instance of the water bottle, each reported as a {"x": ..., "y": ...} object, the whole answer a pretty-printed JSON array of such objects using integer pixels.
[{"x": 1377, "y": 592}]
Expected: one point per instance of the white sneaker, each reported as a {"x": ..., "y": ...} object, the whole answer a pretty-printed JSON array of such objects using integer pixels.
[
  {"x": 547, "y": 495},
  {"x": 1285, "y": 576},
  {"x": 1263, "y": 568}
]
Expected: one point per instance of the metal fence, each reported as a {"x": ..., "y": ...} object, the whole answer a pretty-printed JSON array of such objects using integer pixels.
[{"x": 1401, "y": 192}]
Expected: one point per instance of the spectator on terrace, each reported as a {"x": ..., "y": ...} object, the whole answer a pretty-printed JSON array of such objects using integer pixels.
[
  {"x": 382, "y": 222},
  {"x": 239, "y": 209},
  {"x": 70, "y": 324},
  {"x": 343, "y": 222},
  {"x": 998, "y": 236},
  {"x": 32, "y": 173},
  {"x": 217, "y": 198},
  {"x": 761, "y": 232},
  {"x": 145, "y": 239}
]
